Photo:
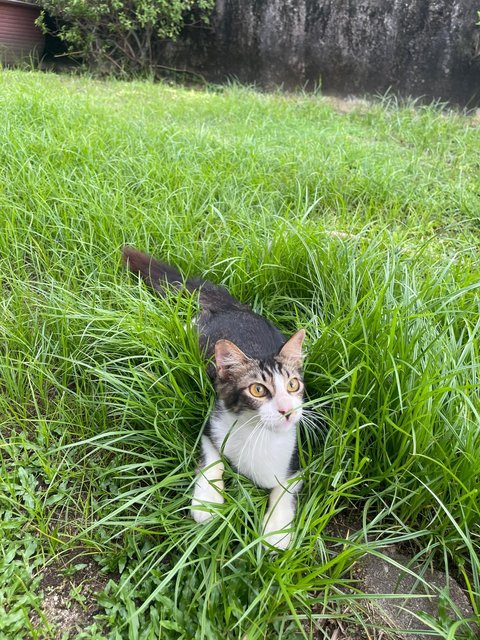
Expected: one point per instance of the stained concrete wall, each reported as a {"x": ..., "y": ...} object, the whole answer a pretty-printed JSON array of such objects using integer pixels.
[{"x": 427, "y": 48}]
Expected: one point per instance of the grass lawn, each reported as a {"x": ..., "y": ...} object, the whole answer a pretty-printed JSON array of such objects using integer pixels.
[{"x": 360, "y": 224}]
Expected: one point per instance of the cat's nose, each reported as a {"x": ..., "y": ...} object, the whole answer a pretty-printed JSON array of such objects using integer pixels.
[{"x": 283, "y": 411}]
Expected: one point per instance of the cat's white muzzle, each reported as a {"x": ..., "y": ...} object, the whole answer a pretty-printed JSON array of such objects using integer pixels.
[{"x": 285, "y": 422}]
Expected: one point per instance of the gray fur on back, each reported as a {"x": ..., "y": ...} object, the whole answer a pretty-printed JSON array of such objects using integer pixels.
[{"x": 222, "y": 317}]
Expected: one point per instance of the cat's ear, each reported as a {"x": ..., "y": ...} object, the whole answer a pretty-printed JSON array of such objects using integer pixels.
[
  {"x": 292, "y": 349},
  {"x": 228, "y": 356}
]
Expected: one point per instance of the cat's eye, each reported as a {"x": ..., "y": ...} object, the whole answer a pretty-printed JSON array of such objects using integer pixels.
[
  {"x": 257, "y": 390},
  {"x": 293, "y": 385}
]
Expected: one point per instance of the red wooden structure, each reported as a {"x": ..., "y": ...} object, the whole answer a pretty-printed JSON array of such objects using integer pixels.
[{"x": 20, "y": 39}]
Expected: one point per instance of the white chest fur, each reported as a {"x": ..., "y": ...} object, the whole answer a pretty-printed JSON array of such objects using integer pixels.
[{"x": 262, "y": 454}]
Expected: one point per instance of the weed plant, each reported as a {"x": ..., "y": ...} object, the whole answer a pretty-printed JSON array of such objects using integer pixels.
[{"x": 359, "y": 225}]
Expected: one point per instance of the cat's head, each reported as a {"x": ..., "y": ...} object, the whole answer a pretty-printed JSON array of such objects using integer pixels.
[{"x": 273, "y": 388}]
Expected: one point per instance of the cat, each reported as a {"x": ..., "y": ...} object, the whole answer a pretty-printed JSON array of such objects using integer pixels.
[{"x": 258, "y": 379}]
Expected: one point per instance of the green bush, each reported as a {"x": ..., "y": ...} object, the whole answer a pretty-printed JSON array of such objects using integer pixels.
[{"x": 120, "y": 36}]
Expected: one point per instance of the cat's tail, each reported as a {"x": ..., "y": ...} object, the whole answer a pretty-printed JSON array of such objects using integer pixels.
[
  {"x": 158, "y": 275},
  {"x": 155, "y": 273}
]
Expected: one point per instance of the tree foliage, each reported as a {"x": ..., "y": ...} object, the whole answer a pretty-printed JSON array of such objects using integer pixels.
[{"x": 124, "y": 36}]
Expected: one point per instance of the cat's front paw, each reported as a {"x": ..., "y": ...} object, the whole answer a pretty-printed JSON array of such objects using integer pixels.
[
  {"x": 275, "y": 530},
  {"x": 280, "y": 541},
  {"x": 206, "y": 491},
  {"x": 199, "y": 509},
  {"x": 200, "y": 516}
]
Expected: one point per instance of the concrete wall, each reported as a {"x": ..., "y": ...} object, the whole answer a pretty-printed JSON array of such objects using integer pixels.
[{"x": 425, "y": 48}]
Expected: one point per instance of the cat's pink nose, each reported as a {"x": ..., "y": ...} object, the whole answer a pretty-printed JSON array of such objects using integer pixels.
[{"x": 284, "y": 410}]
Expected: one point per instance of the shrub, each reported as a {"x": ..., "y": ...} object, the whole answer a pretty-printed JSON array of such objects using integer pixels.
[{"x": 123, "y": 36}]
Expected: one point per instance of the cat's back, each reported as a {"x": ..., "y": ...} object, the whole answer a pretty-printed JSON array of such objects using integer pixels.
[
  {"x": 222, "y": 316},
  {"x": 254, "y": 335}
]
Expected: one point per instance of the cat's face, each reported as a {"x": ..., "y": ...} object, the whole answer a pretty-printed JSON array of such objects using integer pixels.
[{"x": 272, "y": 389}]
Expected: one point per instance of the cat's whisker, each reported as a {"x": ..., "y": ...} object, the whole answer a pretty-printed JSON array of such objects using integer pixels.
[
  {"x": 310, "y": 416},
  {"x": 258, "y": 431},
  {"x": 312, "y": 425},
  {"x": 258, "y": 427},
  {"x": 261, "y": 436},
  {"x": 237, "y": 426}
]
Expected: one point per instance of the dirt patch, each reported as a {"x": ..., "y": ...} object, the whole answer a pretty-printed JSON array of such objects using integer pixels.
[
  {"x": 348, "y": 105},
  {"x": 344, "y": 524},
  {"x": 395, "y": 598},
  {"x": 340, "y": 629},
  {"x": 475, "y": 118},
  {"x": 70, "y": 587},
  {"x": 341, "y": 625},
  {"x": 412, "y": 592}
]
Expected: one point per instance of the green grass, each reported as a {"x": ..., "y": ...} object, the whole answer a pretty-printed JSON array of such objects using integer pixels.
[{"x": 103, "y": 392}]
